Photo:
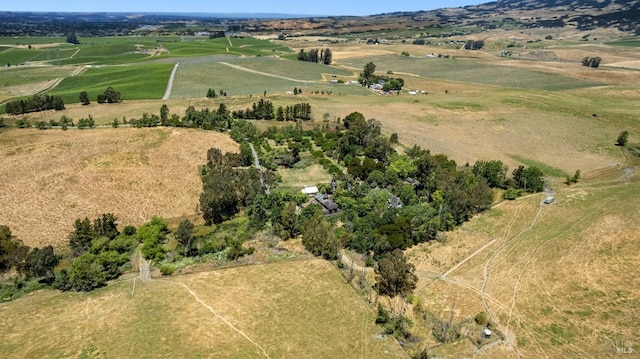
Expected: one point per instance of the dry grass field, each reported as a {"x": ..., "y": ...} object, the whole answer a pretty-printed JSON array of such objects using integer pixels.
[
  {"x": 559, "y": 278},
  {"x": 50, "y": 178},
  {"x": 264, "y": 311}
]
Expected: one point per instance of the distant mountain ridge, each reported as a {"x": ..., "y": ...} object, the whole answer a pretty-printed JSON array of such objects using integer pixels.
[{"x": 583, "y": 14}]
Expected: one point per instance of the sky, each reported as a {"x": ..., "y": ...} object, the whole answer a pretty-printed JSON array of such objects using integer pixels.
[{"x": 297, "y": 7}]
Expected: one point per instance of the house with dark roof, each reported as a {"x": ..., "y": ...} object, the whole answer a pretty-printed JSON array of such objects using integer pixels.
[{"x": 328, "y": 205}]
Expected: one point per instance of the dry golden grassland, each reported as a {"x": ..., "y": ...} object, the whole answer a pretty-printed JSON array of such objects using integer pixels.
[
  {"x": 301, "y": 309},
  {"x": 560, "y": 278},
  {"x": 50, "y": 178}
]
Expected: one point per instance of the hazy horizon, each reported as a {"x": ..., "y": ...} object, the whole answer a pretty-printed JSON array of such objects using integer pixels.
[{"x": 328, "y": 7}]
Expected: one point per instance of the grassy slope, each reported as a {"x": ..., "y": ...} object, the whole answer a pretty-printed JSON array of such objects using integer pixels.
[
  {"x": 56, "y": 176},
  {"x": 562, "y": 282},
  {"x": 290, "y": 309}
]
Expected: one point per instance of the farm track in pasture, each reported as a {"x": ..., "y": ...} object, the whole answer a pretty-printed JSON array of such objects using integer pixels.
[{"x": 241, "y": 68}]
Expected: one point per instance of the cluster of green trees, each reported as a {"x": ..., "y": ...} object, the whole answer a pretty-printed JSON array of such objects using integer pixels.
[
  {"x": 433, "y": 194},
  {"x": 368, "y": 78},
  {"x": 591, "y": 61},
  {"x": 110, "y": 95},
  {"x": 264, "y": 110},
  {"x": 211, "y": 93},
  {"x": 474, "y": 44},
  {"x": 35, "y": 103},
  {"x": 72, "y": 38},
  {"x": 318, "y": 56},
  {"x": 28, "y": 263},
  {"x": 99, "y": 252},
  {"x": 527, "y": 179},
  {"x": 86, "y": 122},
  {"x": 226, "y": 188}
]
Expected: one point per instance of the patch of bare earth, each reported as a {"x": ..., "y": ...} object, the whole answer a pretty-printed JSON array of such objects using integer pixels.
[{"x": 50, "y": 178}]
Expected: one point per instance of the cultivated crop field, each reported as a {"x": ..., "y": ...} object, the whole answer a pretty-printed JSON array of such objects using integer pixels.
[
  {"x": 260, "y": 311},
  {"x": 50, "y": 178},
  {"x": 253, "y": 76},
  {"x": 134, "y": 82}
]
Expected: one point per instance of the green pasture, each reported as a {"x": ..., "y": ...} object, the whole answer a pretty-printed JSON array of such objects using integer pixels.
[
  {"x": 468, "y": 70},
  {"x": 233, "y": 46},
  {"x": 256, "y": 44},
  {"x": 134, "y": 82},
  {"x": 15, "y": 56},
  {"x": 196, "y": 76},
  {"x": 108, "y": 53},
  {"x": 27, "y": 40},
  {"x": 15, "y": 76},
  {"x": 300, "y": 70}
]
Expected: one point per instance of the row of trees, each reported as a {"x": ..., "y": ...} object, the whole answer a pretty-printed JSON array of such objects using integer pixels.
[
  {"x": 110, "y": 95},
  {"x": 264, "y": 110},
  {"x": 35, "y": 103},
  {"x": 211, "y": 93},
  {"x": 318, "y": 56}
]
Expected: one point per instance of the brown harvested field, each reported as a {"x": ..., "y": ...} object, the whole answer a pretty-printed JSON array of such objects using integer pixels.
[
  {"x": 299, "y": 309},
  {"x": 50, "y": 178}
]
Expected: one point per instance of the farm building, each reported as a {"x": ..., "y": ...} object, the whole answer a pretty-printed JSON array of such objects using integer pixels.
[
  {"x": 328, "y": 206},
  {"x": 310, "y": 190}
]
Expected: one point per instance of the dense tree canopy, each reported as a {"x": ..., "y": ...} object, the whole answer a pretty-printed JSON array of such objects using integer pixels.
[{"x": 394, "y": 276}]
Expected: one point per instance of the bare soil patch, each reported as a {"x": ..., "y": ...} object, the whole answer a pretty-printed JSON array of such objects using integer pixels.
[{"x": 52, "y": 177}]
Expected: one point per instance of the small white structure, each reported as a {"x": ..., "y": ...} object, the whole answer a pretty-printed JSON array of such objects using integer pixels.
[
  {"x": 549, "y": 200},
  {"x": 310, "y": 190},
  {"x": 487, "y": 332}
]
